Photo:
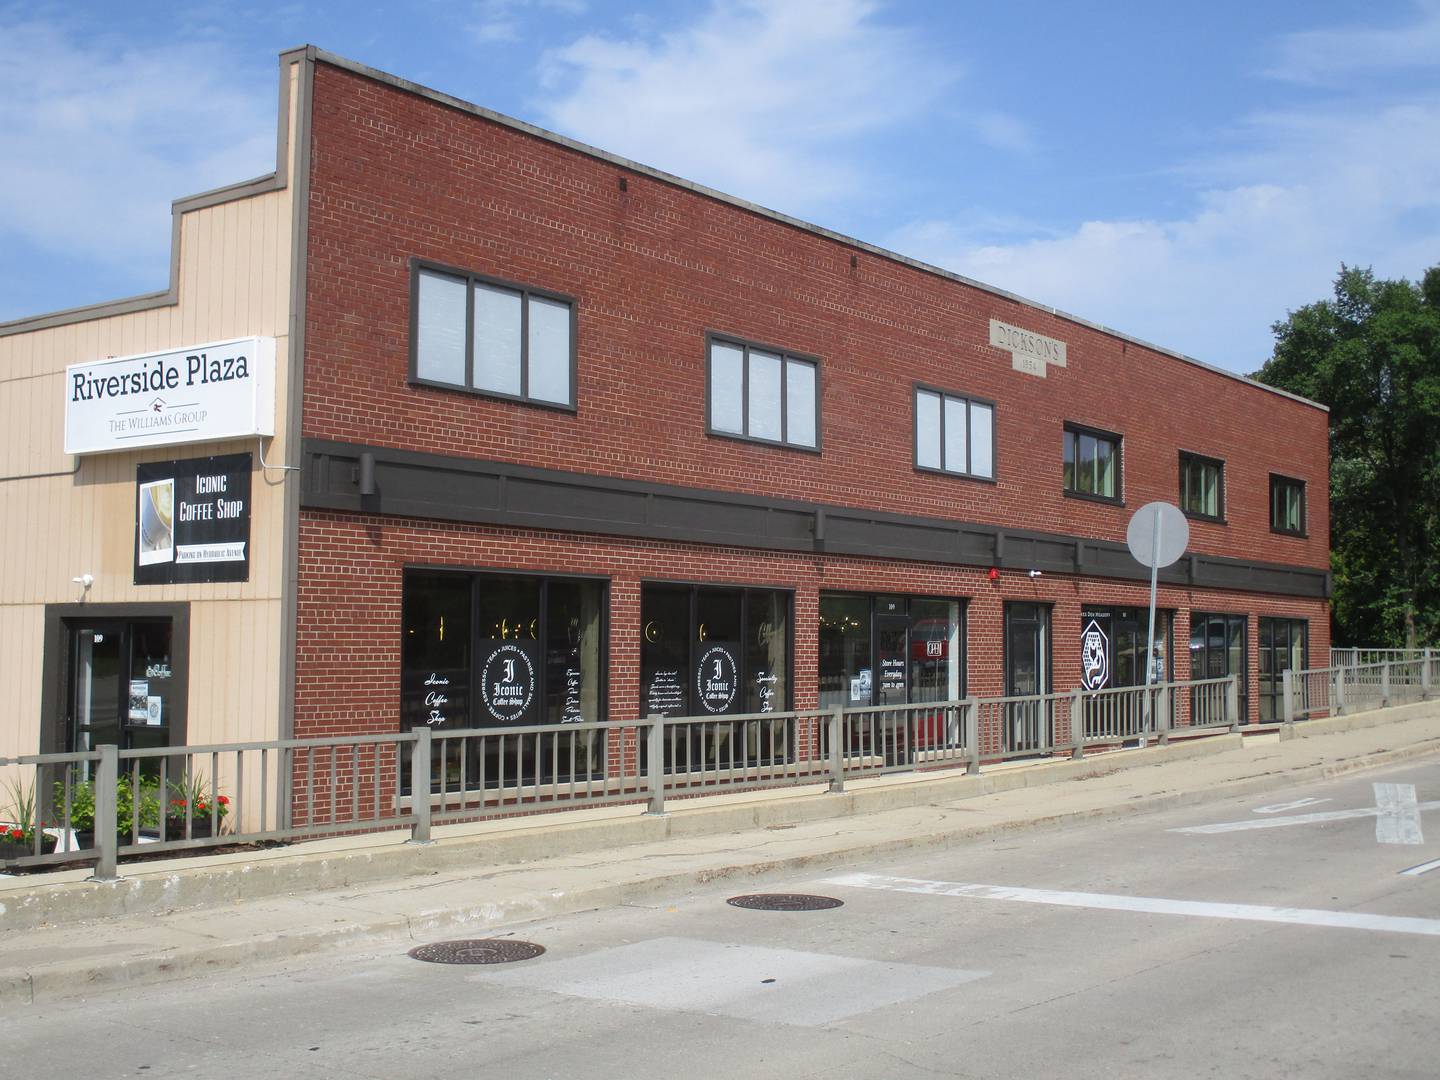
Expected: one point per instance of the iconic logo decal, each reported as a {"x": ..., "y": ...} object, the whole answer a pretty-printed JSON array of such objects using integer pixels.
[
  {"x": 716, "y": 680},
  {"x": 507, "y": 682},
  {"x": 1094, "y": 657}
]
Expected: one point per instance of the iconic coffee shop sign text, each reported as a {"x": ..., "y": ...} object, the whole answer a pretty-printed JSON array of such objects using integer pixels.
[
  {"x": 1029, "y": 352},
  {"x": 223, "y": 390},
  {"x": 192, "y": 520}
]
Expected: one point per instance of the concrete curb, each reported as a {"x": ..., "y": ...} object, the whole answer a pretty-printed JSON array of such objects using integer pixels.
[
  {"x": 71, "y": 979},
  {"x": 161, "y": 888}
]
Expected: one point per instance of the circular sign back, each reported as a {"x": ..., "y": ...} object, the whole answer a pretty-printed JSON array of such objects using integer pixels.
[{"x": 1166, "y": 519}]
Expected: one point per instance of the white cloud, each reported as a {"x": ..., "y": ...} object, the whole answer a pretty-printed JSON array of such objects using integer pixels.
[
  {"x": 1331, "y": 55},
  {"x": 1315, "y": 189},
  {"x": 758, "y": 97},
  {"x": 500, "y": 20},
  {"x": 99, "y": 139}
]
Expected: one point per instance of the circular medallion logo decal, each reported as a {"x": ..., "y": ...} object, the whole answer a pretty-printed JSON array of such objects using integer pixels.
[
  {"x": 716, "y": 680},
  {"x": 507, "y": 682}
]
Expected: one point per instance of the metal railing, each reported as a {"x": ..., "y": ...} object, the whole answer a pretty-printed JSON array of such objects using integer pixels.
[
  {"x": 1348, "y": 688},
  {"x": 167, "y": 799},
  {"x": 1358, "y": 656},
  {"x": 897, "y": 738}
]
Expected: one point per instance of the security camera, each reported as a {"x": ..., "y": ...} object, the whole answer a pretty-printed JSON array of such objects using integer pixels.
[
  {"x": 1034, "y": 573},
  {"x": 84, "y": 580}
]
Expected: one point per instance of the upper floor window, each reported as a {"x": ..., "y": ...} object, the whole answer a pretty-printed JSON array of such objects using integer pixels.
[
  {"x": 954, "y": 434},
  {"x": 1092, "y": 463},
  {"x": 493, "y": 337},
  {"x": 756, "y": 392},
  {"x": 1202, "y": 486},
  {"x": 1287, "y": 505}
]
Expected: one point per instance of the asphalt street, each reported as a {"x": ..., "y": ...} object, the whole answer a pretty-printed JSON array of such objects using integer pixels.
[{"x": 1292, "y": 935}]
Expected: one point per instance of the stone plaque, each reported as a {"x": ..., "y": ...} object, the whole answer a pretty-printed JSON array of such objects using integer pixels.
[{"x": 1029, "y": 352}]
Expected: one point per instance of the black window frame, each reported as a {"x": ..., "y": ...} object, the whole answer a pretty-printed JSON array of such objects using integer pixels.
[
  {"x": 1074, "y": 430},
  {"x": 1228, "y": 619},
  {"x": 471, "y": 279},
  {"x": 693, "y": 589},
  {"x": 874, "y": 600},
  {"x": 1278, "y": 480},
  {"x": 1188, "y": 459},
  {"x": 1271, "y": 684},
  {"x": 56, "y": 720},
  {"x": 786, "y": 357},
  {"x": 473, "y": 579},
  {"x": 919, "y": 388}
]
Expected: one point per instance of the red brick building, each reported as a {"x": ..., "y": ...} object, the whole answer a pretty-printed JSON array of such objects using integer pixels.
[{"x": 565, "y": 413}]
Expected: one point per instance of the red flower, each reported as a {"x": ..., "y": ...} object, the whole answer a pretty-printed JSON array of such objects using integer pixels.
[
  {"x": 223, "y": 801},
  {"x": 17, "y": 834}
]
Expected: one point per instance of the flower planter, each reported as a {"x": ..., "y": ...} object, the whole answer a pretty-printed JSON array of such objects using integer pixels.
[
  {"x": 199, "y": 828},
  {"x": 19, "y": 849}
]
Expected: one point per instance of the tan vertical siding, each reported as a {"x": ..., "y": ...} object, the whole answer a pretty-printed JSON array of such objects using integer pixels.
[{"x": 233, "y": 281}]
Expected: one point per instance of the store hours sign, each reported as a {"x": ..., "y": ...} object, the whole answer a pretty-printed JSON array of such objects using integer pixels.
[
  {"x": 192, "y": 520},
  {"x": 221, "y": 390}
]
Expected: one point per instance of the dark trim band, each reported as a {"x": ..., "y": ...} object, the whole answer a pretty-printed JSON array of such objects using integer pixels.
[{"x": 408, "y": 483}]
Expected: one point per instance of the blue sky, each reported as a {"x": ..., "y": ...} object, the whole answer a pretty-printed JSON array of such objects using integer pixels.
[{"x": 1183, "y": 175}]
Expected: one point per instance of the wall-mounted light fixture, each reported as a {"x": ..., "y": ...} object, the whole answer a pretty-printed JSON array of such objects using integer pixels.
[{"x": 367, "y": 473}]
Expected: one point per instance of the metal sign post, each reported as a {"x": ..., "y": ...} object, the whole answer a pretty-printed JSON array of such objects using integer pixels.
[{"x": 1157, "y": 535}]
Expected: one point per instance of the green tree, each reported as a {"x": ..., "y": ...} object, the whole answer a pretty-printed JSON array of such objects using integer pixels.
[{"x": 1372, "y": 354}]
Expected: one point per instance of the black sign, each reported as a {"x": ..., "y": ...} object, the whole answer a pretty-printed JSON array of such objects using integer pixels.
[
  {"x": 716, "y": 677},
  {"x": 192, "y": 520},
  {"x": 507, "y": 679}
]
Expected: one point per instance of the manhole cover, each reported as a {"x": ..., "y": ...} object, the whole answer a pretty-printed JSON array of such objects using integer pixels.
[
  {"x": 784, "y": 901},
  {"x": 477, "y": 951}
]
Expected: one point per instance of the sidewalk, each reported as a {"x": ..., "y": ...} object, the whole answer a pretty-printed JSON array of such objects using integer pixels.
[{"x": 65, "y": 937}]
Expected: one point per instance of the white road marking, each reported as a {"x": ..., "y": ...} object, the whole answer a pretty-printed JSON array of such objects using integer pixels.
[
  {"x": 746, "y": 981},
  {"x": 1149, "y": 905},
  {"x": 1293, "y": 819},
  {"x": 1279, "y": 808},
  {"x": 1399, "y": 819},
  {"x": 1422, "y": 868}
]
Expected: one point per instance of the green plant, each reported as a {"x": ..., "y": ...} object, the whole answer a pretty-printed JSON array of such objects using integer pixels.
[
  {"x": 195, "y": 792},
  {"x": 148, "y": 797},
  {"x": 82, "y": 804},
  {"x": 19, "y": 814}
]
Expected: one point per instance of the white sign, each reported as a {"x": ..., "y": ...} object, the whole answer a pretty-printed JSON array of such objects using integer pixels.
[
  {"x": 223, "y": 390},
  {"x": 1094, "y": 657},
  {"x": 1029, "y": 352}
]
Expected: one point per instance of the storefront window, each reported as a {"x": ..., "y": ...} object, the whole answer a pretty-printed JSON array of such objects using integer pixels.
[
  {"x": 1112, "y": 654},
  {"x": 1217, "y": 649},
  {"x": 881, "y": 650},
  {"x": 1284, "y": 644},
  {"x": 1113, "y": 643},
  {"x": 483, "y": 650},
  {"x": 710, "y": 651}
]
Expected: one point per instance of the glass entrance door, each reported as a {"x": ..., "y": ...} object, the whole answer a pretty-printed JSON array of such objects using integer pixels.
[
  {"x": 1027, "y": 672},
  {"x": 96, "y": 685},
  {"x": 119, "y": 685}
]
